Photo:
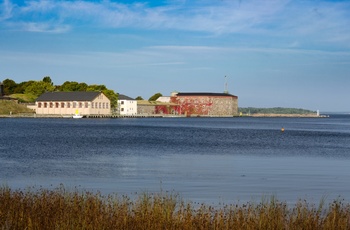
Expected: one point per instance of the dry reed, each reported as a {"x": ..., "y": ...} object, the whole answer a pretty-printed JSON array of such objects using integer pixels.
[{"x": 62, "y": 209}]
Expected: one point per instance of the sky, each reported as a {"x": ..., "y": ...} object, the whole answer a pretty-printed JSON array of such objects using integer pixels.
[{"x": 271, "y": 53}]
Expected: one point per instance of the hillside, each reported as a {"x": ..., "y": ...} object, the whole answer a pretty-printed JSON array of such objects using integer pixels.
[
  {"x": 25, "y": 98},
  {"x": 7, "y": 107}
]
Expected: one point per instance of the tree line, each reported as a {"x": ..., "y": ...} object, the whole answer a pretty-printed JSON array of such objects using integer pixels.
[
  {"x": 36, "y": 88},
  {"x": 275, "y": 110}
]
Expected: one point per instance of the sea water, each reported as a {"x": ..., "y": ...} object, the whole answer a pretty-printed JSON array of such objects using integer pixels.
[{"x": 204, "y": 160}]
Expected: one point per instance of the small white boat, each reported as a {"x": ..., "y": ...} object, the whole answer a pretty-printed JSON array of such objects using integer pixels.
[{"x": 77, "y": 115}]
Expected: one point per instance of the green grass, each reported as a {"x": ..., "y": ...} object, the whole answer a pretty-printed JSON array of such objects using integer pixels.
[
  {"x": 24, "y": 97},
  {"x": 62, "y": 209},
  {"x": 7, "y": 106}
]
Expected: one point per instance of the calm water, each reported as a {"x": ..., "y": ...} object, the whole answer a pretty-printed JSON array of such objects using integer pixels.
[{"x": 210, "y": 160}]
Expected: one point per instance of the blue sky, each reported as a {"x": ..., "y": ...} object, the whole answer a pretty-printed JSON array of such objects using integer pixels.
[{"x": 274, "y": 52}]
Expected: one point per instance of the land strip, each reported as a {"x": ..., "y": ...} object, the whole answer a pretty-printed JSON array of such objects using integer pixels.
[{"x": 287, "y": 115}]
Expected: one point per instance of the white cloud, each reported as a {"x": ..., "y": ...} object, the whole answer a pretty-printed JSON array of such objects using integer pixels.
[
  {"x": 5, "y": 10},
  {"x": 41, "y": 6},
  {"x": 319, "y": 21},
  {"x": 222, "y": 17},
  {"x": 45, "y": 27}
]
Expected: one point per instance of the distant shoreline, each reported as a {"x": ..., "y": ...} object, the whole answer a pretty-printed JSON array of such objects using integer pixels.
[
  {"x": 287, "y": 115},
  {"x": 26, "y": 115}
]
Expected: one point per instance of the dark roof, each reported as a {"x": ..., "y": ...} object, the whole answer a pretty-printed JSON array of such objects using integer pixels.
[
  {"x": 206, "y": 94},
  {"x": 68, "y": 96},
  {"x": 124, "y": 97}
]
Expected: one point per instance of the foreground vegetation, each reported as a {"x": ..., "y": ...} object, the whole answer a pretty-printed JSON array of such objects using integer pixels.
[{"x": 62, "y": 209}]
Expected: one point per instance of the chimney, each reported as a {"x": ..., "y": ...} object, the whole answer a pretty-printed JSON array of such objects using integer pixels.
[{"x": 2, "y": 92}]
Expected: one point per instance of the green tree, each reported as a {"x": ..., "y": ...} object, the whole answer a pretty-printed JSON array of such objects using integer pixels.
[
  {"x": 69, "y": 86},
  {"x": 20, "y": 87},
  {"x": 138, "y": 98},
  {"x": 155, "y": 97},
  {"x": 9, "y": 86},
  {"x": 82, "y": 87},
  {"x": 96, "y": 88},
  {"x": 37, "y": 88},
  {"x": 112, "y": 96},
  {"x": 47, "y": 79}
]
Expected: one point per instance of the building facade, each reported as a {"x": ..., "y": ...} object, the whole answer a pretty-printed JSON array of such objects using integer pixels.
[
  {"x": 145, "y": 107},
  {"x": 126, "y": 105},
  {"x": 68, "y": 103},
  {"x": 205, "y": 104}
]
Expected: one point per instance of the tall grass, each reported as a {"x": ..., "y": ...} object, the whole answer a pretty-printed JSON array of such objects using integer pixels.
[{"x": 62, "y": 209}]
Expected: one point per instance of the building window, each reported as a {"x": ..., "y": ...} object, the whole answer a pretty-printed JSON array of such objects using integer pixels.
[
  {"x": 80, "y": 105},
  {"x": 107, "y": 105},
  {"x": 57, "y": 105},
  {"x": 96, "y": 105},
  {"x": 92, "y": 105},
  {"x": 86, "y": 105},
  {"x": 39, "y": 105},
  {"x": 74, "y": 104},
  {"x": 103, "y": 105},
  {"x": 62, "y": 104},
  {"x": 122, "y": 109},
  {"x": 68, "y": 104},
  {"x": 51, "y": 105},
  {"x": 122, "y": 102},
  {"x": 99, "y": 105}
]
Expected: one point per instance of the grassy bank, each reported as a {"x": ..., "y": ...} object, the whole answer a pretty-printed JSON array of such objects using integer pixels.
[
  {"x": 8, "y": 106},
  {"x": 25, "y": 98},
  {"x": 62, "y": 209}
]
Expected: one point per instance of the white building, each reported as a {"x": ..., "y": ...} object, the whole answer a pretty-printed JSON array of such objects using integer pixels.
[
  {"x": 67, "y": 103},
  {"x": 126, "y": 105}
]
